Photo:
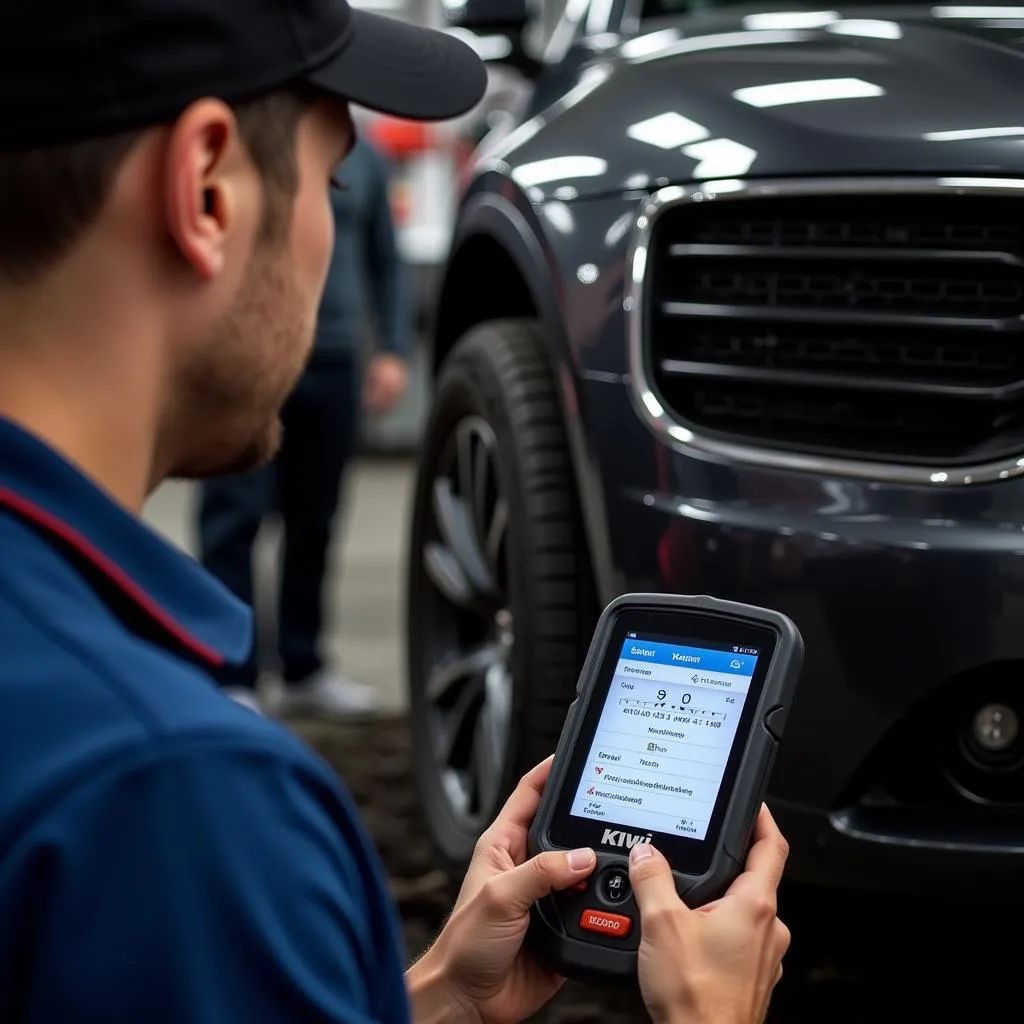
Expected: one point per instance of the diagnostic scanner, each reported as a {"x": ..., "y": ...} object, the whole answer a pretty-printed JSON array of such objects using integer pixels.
[{"x": 671, "y": 739}]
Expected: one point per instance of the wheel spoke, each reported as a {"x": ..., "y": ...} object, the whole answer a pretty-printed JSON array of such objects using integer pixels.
[
  {"x": 456, "y": 720},
  {"x": 464, "y": 447},
  {"x": 491, "y": 736},
  {"x": 496, "y": 534},
  {"x": 498, "y": 688},
  {"x": 462, "y": 667},
  {"x": 486, "y": 766},
  {"x": 457, "y": 531},
  {"x": 456, "y": 791},
  {"x": 447, "y": 575}
]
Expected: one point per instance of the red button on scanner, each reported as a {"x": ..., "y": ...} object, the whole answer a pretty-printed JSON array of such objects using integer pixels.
[{"x": 618, "y": 926}]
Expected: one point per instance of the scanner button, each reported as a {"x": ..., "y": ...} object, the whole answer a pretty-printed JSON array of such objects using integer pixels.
[
  {"x": 615, "y": 885},
  {"x": 618, "y": 926},
  {"x": 775, "y": 722}
]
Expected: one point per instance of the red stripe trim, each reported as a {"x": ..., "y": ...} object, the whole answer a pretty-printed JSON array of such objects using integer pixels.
[{"x": 110, "y": 569}]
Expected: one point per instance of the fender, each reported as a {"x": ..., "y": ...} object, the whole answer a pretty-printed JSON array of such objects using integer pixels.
[{"x": 496, "y": 209}]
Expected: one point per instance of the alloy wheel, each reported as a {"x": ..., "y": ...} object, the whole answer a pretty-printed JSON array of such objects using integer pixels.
[{"x": 468, "y": 688}]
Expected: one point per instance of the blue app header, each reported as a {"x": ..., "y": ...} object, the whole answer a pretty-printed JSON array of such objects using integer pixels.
[{"x": 688, "y": 657}]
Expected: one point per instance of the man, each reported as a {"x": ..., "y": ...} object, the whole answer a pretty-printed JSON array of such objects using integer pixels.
[
  {"x": 321, "y": 420},
  {"x": 166, "y": 855}
]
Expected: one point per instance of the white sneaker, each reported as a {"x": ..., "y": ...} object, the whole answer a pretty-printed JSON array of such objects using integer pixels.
[
  {"x": 327, "y": 693},
  {"x": 247, "y": 698}
]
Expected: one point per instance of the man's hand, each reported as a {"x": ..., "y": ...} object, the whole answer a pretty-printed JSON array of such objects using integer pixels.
[
  {"x": 386, "y": 380},
  {"x": 488, "y": 976},
  {"x": 720, "y": 963}
]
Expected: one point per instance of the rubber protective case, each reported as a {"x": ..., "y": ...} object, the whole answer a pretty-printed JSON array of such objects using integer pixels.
[{"x": 596, "y": 963}]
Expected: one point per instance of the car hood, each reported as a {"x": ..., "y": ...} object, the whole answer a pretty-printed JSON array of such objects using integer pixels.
[{"x": 762, "y": 92}]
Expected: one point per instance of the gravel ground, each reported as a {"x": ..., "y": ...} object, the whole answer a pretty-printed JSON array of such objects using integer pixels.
[{"x": 875, "y": 967}]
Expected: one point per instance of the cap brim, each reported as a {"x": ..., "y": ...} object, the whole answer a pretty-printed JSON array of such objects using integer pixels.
[{"x": 396, "y": 68}]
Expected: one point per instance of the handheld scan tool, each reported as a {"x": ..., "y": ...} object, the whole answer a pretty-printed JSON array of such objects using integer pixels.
[{"x": 678, "y": 713}]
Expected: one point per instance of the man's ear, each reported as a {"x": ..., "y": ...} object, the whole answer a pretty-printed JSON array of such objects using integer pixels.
[{"x": 205, "y": 184}]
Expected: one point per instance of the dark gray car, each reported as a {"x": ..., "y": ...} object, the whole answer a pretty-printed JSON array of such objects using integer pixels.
[{"x": 737, "y": 309}]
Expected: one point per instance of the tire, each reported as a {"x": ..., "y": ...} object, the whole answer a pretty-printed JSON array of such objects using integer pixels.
[{"x": 495, "y": 391}]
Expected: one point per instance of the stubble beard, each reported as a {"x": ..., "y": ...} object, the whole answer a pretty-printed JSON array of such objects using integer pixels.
[{"x": 234, "y": 391}]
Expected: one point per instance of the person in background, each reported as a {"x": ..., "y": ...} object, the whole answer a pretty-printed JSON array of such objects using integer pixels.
[{"x": 321, "y": 427}]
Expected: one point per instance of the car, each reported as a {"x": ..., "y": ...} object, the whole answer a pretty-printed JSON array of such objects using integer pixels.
[{"x": 736, "y": 309}]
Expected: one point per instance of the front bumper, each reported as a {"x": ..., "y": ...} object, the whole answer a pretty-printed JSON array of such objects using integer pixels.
[
  {"x": 911, "y": 603},
  {"x": 825, "y": 853}
]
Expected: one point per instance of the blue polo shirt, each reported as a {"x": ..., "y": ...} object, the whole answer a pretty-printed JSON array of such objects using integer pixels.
[{"x": 165, "y": 854}]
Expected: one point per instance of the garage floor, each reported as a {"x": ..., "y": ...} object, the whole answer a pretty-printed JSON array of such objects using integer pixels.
[{"x": 365, "y": 609}]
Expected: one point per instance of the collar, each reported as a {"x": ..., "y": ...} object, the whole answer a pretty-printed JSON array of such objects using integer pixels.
[{"x": 190, "y": 609}]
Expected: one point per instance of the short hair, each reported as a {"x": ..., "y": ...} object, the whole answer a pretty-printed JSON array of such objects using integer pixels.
[{"x": 50, "y": 197}]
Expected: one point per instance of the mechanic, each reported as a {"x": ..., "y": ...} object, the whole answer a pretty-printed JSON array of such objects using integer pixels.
[
  {"x": 167, "y": 855},
  {"x": 321, "y": 423}
]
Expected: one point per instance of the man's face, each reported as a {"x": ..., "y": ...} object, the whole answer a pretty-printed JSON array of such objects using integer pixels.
[{"x": 238, "y": 378}]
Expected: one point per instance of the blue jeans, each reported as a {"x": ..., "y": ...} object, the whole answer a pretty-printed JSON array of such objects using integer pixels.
[{"x": 302, "y": 486}]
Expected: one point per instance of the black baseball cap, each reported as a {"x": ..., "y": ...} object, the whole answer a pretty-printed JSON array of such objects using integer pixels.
[{"x": 76, "y": 69}]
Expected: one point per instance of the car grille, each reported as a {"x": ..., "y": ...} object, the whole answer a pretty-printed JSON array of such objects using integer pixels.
[{"x": 883, "y": 327}]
